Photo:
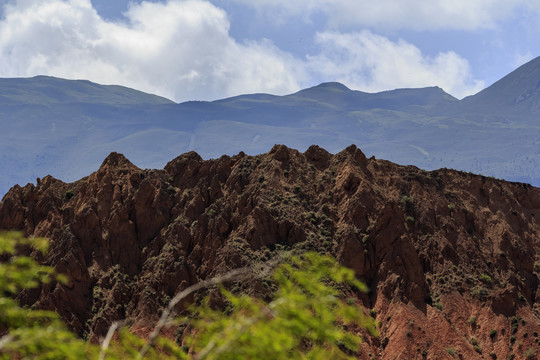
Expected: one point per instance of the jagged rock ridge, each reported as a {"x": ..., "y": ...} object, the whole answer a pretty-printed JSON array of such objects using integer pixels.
[{"x": 448, "y": 256}]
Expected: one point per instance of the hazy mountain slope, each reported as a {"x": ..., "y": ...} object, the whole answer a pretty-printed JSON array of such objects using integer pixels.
[
  {"x": 56, "y": 126},
  {"x": 448, "y": 256},
  {"x": 64, "y": 128},
  {"x": 516, "y": 96},
  {"x": 339, "y": 96},
  {"x": 47, "y": 90}
]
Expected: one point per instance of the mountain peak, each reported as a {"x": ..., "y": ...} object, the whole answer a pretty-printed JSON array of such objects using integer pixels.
[
  {"x": 117, "y": 160},
  {"x": 332, "y": 86},
  {"x": 328, "y": 92},
  {"x": 519, "y": 89}
]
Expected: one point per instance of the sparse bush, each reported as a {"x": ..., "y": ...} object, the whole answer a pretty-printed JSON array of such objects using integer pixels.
[
  {"x": 514, "y": 324},
  {"x": 530, "y": 354},
  {"x": 451, "y": 351},
  {"x": 68, "y": 194},
  {"x": 405, "y": 199},
  {"x": 478, "y": 349},
  {"x": 407, "y": 204},
  {"x": 486, "y": 279},
  {"x": 480, "y": 293}
]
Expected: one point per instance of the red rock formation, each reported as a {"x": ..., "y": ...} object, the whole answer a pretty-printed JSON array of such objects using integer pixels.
[{"x": 448, "y": 256}]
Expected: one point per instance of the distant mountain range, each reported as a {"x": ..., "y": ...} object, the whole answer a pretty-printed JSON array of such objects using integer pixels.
[{"x": 65, "y": 128}]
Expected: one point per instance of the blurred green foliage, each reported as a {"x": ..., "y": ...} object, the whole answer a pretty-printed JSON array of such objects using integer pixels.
[{"x": 306, "y": 318}]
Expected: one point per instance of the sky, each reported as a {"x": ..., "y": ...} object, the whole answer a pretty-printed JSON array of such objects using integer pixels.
[{"x": 212, "y": 49}]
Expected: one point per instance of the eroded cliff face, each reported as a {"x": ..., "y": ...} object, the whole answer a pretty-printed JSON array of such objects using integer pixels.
[{"x": 449, "y": 257}]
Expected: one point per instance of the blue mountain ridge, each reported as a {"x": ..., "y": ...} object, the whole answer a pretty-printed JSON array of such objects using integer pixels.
[{"x": 67, "y": 127}]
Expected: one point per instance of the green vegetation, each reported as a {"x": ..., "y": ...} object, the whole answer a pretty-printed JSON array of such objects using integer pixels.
[
  {"x": 305, "y": 319},
  {"x": 407, "y": 203},
  {"x": 480, "y": 293},
  {"x": 477, "y": 348},
  {"x": 211, "y": 212},
  {"x": 451, "y": 351},
  {"x": 68, "y": 194},
  {"x": 530, "y": 354},
  {"x": 299, "y": 322},
  {"x": 486, "y": 279},
  {"x": 31, "y": 332},
  {"x": 514, "y": 324},
  {"x": 405, "y": 199}
]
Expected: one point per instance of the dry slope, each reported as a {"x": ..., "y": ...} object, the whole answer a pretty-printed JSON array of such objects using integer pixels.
[{"x": 452, "y": 259}]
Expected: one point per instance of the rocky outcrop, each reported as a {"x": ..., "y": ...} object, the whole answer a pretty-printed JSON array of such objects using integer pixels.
[{"x": 451, "y": 258}]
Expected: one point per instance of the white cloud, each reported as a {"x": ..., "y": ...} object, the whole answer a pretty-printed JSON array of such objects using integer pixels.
[
  {"x": 183, "y": 50},
  {"x": 370, "y": 62},
  {"x": 397, "y": 14},
  {"x": 179, "y": 49}
]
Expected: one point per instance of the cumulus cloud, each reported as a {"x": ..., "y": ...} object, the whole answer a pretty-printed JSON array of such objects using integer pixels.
[
  {"x": 371, "y": 62},
  {"x": 178, "y": 49},
  {"x": 182, "y": 49},
  {"x": 397, "y": 14}
]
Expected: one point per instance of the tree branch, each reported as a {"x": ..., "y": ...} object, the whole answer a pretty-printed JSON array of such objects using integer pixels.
[
  {"x": 235, "y": 274},
  {"x": 107, "y": 340}
]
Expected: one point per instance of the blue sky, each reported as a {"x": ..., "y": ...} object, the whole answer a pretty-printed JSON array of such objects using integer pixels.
[{"x": 210, "y": 49}]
